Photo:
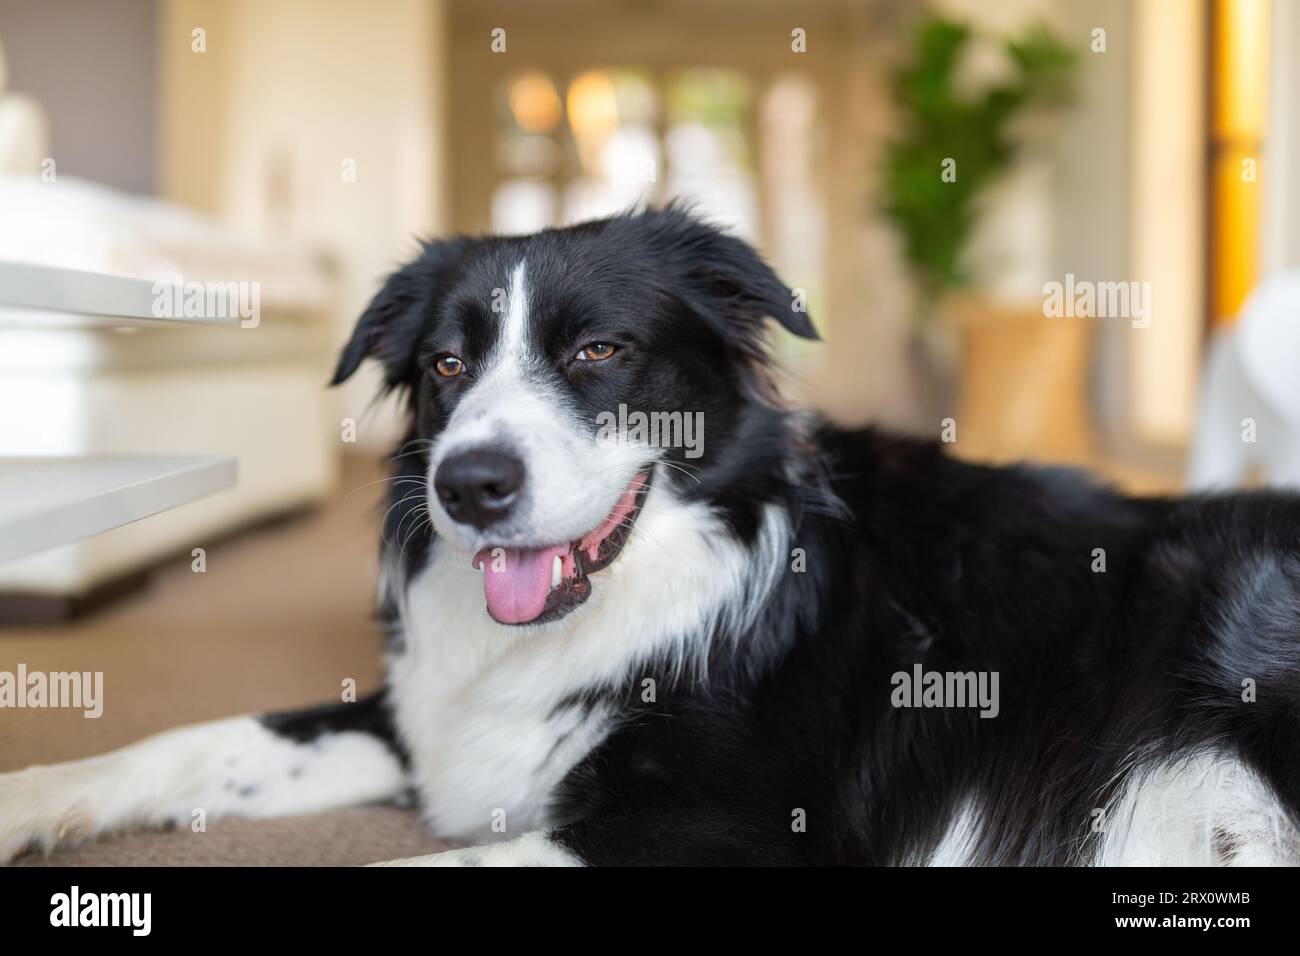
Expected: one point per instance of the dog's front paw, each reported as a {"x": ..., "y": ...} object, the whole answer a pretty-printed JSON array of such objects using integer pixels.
[
  {"x": 469, "y": 856},
  {"x": 531, "y": 849},
  {"x": 36, "y": 815}
]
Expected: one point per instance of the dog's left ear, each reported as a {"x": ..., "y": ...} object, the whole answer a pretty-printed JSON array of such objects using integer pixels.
[
  {"x": 390, "y": 327},
  {"x": 740, "y": 287}
]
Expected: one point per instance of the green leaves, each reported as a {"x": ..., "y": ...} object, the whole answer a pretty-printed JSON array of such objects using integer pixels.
[{"x": 953, "y": 144}]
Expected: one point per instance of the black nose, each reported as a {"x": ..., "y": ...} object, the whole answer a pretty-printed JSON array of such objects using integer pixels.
[{"x": 479, "y": 487}]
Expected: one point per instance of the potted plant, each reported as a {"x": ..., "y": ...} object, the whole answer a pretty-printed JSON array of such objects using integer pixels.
[{"x": 952, "y": 144}]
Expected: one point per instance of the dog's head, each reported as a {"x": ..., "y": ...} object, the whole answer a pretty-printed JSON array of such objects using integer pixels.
[{"x": 553, "y": 377}]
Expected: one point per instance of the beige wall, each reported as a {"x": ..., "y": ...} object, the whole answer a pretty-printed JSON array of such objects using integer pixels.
[
  {"x": 1168, "y": 215},
  {"x": 257, "y": 128},
  {"x": 1281, "y": 245},
  {"x": 857, "y": 376}
]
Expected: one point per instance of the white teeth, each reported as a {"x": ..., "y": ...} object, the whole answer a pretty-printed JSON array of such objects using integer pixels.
[{"x": 557, "y": 572}]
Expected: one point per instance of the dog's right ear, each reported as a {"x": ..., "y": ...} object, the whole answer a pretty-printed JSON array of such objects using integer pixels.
[{"x": 390, "y": 327}]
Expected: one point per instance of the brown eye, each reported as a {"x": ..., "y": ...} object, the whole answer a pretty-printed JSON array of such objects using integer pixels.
[
  {"x": 449, "y": 366},
  {"x": 596, "y": 352}
]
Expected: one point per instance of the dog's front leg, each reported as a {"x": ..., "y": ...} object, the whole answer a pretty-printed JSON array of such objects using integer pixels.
[
  {"x": 241, "y": 766},
  {"x": 531, "y": 849}
]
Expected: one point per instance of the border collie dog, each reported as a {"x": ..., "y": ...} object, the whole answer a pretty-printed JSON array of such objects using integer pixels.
[{"x": 787, "y": 643}]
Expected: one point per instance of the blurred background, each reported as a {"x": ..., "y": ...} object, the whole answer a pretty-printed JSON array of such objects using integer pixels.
[{"x": 923, "y": 173}]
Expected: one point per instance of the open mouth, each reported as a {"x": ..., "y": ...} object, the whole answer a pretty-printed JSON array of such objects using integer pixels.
[{"x": 537, "y": 585}]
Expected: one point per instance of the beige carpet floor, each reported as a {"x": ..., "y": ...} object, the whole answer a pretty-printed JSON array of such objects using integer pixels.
[{"x": 279, "y": 619}]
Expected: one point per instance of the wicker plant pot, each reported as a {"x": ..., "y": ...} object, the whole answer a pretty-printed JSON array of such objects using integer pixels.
[{"x": 1023, "y": 390}]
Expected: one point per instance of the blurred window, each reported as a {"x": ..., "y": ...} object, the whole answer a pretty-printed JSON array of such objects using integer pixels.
[
  {"x": 744, "y": 154},
  {"x": 710, "y": 146}
]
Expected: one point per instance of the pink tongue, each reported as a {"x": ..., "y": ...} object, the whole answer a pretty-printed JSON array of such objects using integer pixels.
[{"x": 517, "y": 581}]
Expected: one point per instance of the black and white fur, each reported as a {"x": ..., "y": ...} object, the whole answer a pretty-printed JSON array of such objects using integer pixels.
[{"x": 712, "y": 691}]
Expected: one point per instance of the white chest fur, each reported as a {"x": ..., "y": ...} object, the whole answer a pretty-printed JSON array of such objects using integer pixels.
[{"x": 481, "y": 705}]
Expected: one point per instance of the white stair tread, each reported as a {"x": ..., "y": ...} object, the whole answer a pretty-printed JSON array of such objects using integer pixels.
[
  {"x": 50, "y": 296},
  {"x": 46, "y": 502}
]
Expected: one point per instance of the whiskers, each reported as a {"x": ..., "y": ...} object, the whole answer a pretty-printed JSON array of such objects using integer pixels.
[
  {"x": 426, "y": 521},
  {"x": 679, "y": 467},
  {"x": 401, "y": 449},
  {"x": 395, "y": 479},
  {"x": 421, "y": 444},
  {"x": 422, "y": 508},
  {"x": 419, "y": 511}
]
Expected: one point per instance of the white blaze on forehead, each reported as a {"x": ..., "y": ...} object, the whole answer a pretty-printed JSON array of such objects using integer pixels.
[
  {"x": 503, "y": 386},
  {"x": 514, "y": 326}
]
